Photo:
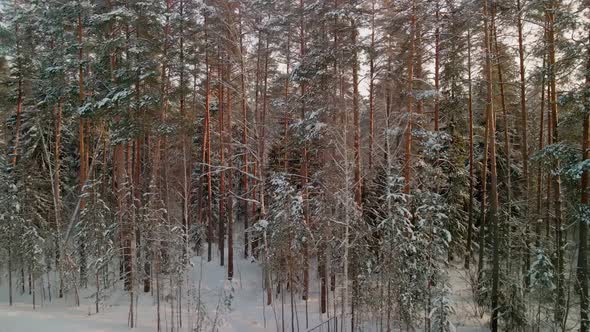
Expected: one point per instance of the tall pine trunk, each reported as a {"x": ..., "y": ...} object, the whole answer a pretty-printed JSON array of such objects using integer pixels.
[
  {"x": 548, "y": 200},
  {"x": 221, "y": 110},
  {"x": 437, "y": 66},
  {"x": 186, "y": 151},
  {"x": 304, "y": 170},
  {"x": 555, "y": 178},
  {"x": 407, "y": 169},
  {"x": 524, "y": 146},
  {"x": 82, "y": 145},
  {"x": 230, "y": 204},
  {"x": 471, "y": 166},
  {"x": 357, "y": 161},
  {"x": 245, "y": 179},
  {"x": 207, "y": 147},
  {"x": 539, "y": 212},
  {"x": 19, "y": 103},
  {"x": 582, "y": 270},
  {"x": 507, "y": 149},
  {"x": 493, "y": 218},
  {"x": 372, "y": 52}
]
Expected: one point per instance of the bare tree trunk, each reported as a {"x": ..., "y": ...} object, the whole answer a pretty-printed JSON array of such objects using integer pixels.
[
  {"x": 57, "y": 179},
  {"x": 158, "y": 254},
  {"x": 483, "y": 215},
  {"x": 437, "y": 66},
  {"x": 54, "y": 179},
  {"x": 471, "y": 166},
  {"x": 57, "y": 170},
  {"x": 372, "y": 52},
  {"x": 356, "y": 119},
  {"x": 256, "y": 131},
  {"x": 493, "y": 175},
  {"x": 582, "y": 270},
  {"x": 22, "y": 274},
  {"x": 346, "y": 240},
  {"x": 539, "y": 215},
  {"x": 118, "y": 169},
  {"x": 230, "y": 205},
  {"x": 245, "y": 179},
  {"x": 261, "y": 158},
  {"x": 304, "y": 157},
  {"x": 207, "y": 147},
  {"x": 507, "y": 151},
  {"x": 136, "y": 187},
  {"x": 32, "y": 286},
  {"x": 407, "y": 171},
  {"x": 389, "y": 165},
  {"x": 186, "y": 151},
  {"x": 130, "y": 236},
  {"x": 19, "y": 103},
  {"x": 357, "y": 158},
  {"x": 559, "y": 266},
  {"x": 221, "y": 220},
  {"x": 97, "y": 299},
  {"x": 82, "y": 146},
  {"x": 286, "y": 169},
  {"x": 10, "y": 274},
  {"x": 524, "y": 128},
  {"x": 549, "y": 201},
  {"x": 19, "y": 93},
  {"x": 122, "y": 175}
]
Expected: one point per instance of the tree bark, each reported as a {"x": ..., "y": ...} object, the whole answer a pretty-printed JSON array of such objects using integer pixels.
[
  {"x": 207, "y": 148},
  {"x": 471, "y": 166},
  {"x": 245, "y": 179},
  {"x": 304, "y": 157},
  {"x": 82, "y": 143},
  {"x": 407, "y": 169},
  {"x": 548, "y": 200},
  {"x": 221, "y": 221},
  {"x": 539, "y": 214},
  {"x": 372, "y": 52},
  {"x": 186, "y": 151},
  {"x": 437, "y": 66},
  {"x": 261, "y": 172},
  {"x": 493, "y": 220},
  {"x": 582, "y": 270},
  {"x": 507, "y": 149},
  {"x": 356, "y": 119},
  {"x": 524, "y": 145},
  {"x": 556, "y": 179},
  {"x": 230, "y": 205}
]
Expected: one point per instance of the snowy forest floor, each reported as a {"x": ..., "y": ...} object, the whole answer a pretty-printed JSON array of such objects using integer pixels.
[{"x": 236, "y": 306}]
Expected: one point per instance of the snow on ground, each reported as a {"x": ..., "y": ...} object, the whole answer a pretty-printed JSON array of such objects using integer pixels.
[
  {"x": 467, "y": 317},
  {"x": 237, "y": 310},
  {"x": 243, "y": 314}
]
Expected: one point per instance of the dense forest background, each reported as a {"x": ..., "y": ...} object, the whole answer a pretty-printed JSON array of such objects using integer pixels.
[{"x": 362, "y": 147}]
